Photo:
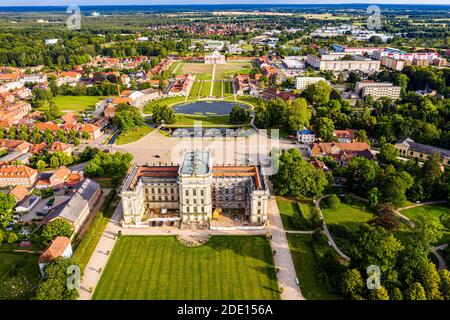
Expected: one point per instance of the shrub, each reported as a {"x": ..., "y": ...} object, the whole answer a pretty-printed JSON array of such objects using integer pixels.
[{"x": 332, "y": 201}]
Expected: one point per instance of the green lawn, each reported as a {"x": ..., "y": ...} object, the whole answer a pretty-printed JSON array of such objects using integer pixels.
[
  {"x": 195, "y": 90},
  {"x": 206, "y": 89},
  {"x": 212, "y": 120},
  {"x": 349, "y": 215},
  {"x": 19, "y": 274},
  {"x": 161, "y": 268},
  {"x": 217, "y": 89},
  {"x": 313, "y": 287},
  {"x": 86, "y": 246},
  {"x": 437, "y": 212},
  {"x": 290, "y": 208},
  {"x": 228, "y": 88},
  {"x": 77, "y": 103},
  {"x": 133, "y": 135}
]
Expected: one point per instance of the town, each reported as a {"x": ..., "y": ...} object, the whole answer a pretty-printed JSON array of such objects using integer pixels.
[{"x": 292, "y": 148}]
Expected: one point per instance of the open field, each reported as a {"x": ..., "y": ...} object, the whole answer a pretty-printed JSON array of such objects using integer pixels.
[
  {"x": 231, "y": 68},
  {"x": 77, "y": 103},
  {"x": 133, "y": 135},
  {"x": 324, "y": 16},
  {"x": 161, "y": 268},
  {"x": 437, "y": 211},
  {"x": 19, "y": 274},
  {"x": 312, "y": 285}
]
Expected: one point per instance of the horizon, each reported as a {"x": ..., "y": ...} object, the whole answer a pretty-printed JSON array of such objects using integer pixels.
[{"x": 87, "y": 3}]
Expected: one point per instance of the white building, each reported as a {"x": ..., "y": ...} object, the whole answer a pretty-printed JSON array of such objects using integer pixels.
[
  {"x": 336, "y": 62},
  {"x": 378, "y": 89},
  {"x": 301, "y": 83},
  {"x": 194, "y": 190},
  {"x": 51, "y": 41},
  {"x": 215, "y": 58},
  {"x": 306, "y": 136}
]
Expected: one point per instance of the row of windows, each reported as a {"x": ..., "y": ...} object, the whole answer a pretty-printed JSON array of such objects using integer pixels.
[
  {"x": 162, "y": 198},
  {"x": 194, "y": 192},
  {"x": 195, "y": 209},
  {"x": 161, "y": 190},
  {"x": 194, "y": 201}
]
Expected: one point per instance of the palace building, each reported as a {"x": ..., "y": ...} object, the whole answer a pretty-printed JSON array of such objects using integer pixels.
[
  {"x": 215, "y": 58},
  {"x": 194, "y": 191}
]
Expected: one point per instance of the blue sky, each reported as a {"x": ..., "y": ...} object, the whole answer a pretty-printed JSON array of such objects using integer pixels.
[{"x": 143, "y": 2}]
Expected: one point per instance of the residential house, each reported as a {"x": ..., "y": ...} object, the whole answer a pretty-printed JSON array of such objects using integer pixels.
[
  {"x": 60, "y": 147},
  {"x": 306, "y": 136},
  {"x": 93, "y": 131},
  {"x": 19, "y": 193},
  {"x": 182, "y": 85},
  {"x": 59, "y": 177},
  {"x": 342, "y": 153},
  {"x": 17, "y": 175},
  {"x": 58, "y": 247},
  {"x": 243, "y": 83},
  {"x": 345, "y": 136}
]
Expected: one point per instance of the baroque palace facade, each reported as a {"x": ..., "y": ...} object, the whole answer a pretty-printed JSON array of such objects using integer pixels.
[{"x": 193, "y": 191}]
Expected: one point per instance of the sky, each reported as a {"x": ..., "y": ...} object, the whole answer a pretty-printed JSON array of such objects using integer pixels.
[{"x": 168, "y": 2}]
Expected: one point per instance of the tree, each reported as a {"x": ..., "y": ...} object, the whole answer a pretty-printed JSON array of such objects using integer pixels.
[
  {"x": 318, "y": 93},
  {"x": 352, "y": 284},
  {"x": 85, "y": 135},
  {"x": 379, "y": 294},
  {"x": 362, "y": 174},
  {"x": 297, "y": 115},
  {"x": 431, "y": 282},
  {"x": 2, "y": 236},
  {"x": 41, "y": 165},
  {"x": 239, "y": 114},
  {"x": 415, "y": 292},
  {"x": 127, "y": 117},
  {"x": 394, "y": 186},
  {"x": 7, "y": 203},
  {"x": 58, "y": 227},
  {"x": 387, "y": 154},
  {"x": 372, "y": 198},
  {"x": 324, "y": 128},
  {"x": 54, "y": 286},
  {"x": 12, "y": 238},
  {"x": 375, "y": 246},
  {"x": 333, "y": 201},
  {"x": 445, "y": 283},
  {"x": 431, "y": 174},
  {"x": 163, "y": 113},
  {"x": 396, "y": 294},
  {"x": 298, "y": 178}
]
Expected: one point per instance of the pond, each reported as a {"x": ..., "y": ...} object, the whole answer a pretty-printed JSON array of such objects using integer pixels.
[{"x": 207, "y": 108}]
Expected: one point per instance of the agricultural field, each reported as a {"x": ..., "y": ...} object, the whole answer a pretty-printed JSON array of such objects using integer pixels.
[
  {"x": 77, "y": 104},
  {"x": 161, "y": 268}
]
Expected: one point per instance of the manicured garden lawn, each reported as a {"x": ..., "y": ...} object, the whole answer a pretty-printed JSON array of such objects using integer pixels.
[
  {"x": 349, "y": 215},
  {"x": 19, "y": 274},
  {"x": 228, "y": 88},
  {"x": 206, "y": 89},
  {"x": 76, "y": 103},
  {"x": 290, "y": 208},
  {"x": 437, "y": 212},
  {"x": 133, "y": 135},
  {"x": 213, "y": 120},
  {"x": 195, "y": 90},
  {"x": 161, "y": 268},
  {"x": 312, "y": 285},
  {"x": 217, "y": 89}
]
